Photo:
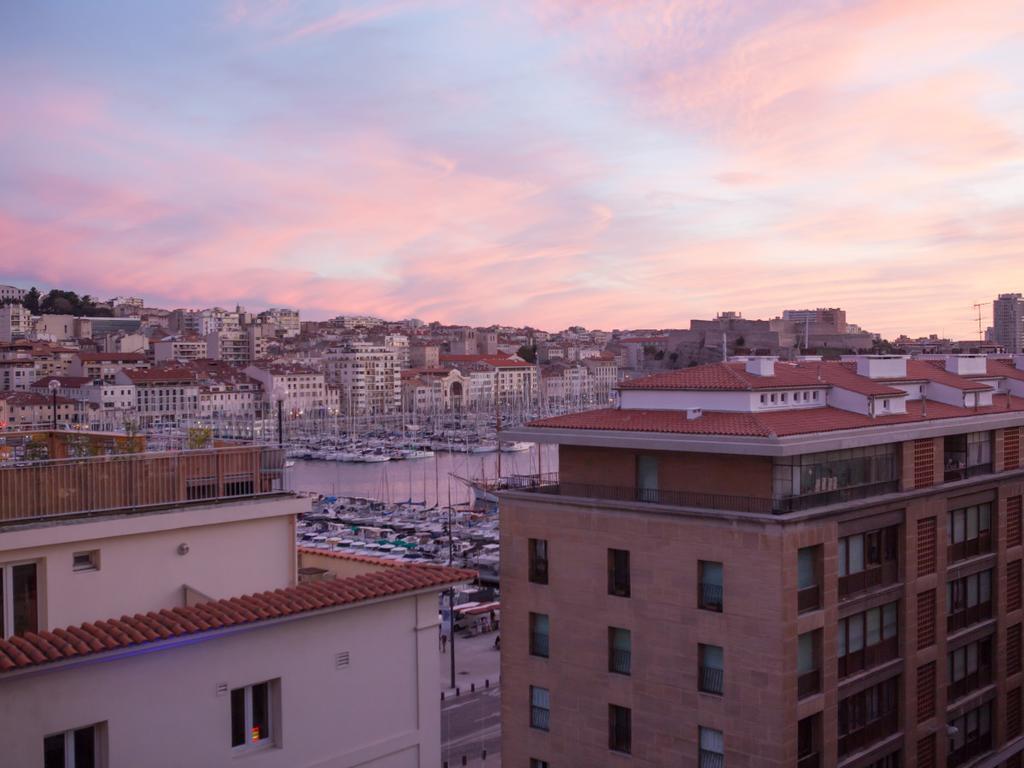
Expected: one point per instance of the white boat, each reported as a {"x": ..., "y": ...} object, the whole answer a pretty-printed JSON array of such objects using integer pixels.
[
  {"x": 288, "y": 464},
  {"x": 515, "y": 447},
  {"x": 484, "y": 448},
  {"x": 373, "y": 458},
  {"x": 415, "y": 453}
]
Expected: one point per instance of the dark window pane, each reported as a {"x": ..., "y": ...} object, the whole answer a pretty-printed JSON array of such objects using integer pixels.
[
  {"x": 85, "y": 748},
  {"x": 53, "y": 751},
  {"x": 260, "y": 712},
  {"x": 26, "y": 608},
  {"x": 238, "y": 717}
]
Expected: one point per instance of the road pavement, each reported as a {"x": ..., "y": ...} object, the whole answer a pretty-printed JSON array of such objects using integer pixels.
[{"x": 471, "y": 721}]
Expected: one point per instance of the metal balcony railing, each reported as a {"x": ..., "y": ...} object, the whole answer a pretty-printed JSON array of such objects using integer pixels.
[
  {"x": 710, "y": 597},
  {"x": 969, "y": 683},
  {"x": 961, "y": 550},
  {"x": 620, "y": 661},
  {"x": 712, "y": 680},
  {"x": 135, "y": 481},
  {"x": 881, "y": 727},
  {"x": 539, "y": 644},
  {"x": 808, "y": 598},
  {"x": 965, "y": 617},
  {"x": 551, "y": 484},
  {"x": 540, "y": 718}
]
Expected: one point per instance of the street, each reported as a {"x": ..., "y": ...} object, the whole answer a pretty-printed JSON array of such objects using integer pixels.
[{"x": 471, "y": 724}]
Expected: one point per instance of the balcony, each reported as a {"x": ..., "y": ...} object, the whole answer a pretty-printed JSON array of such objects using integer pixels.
[
  {"x": 551, "y": 485},
  {"x": 970, "y": 750},
  {"x": 968, "y": 616},
  {"x": 710, "y": 597},
  {"x": 712, "y": 680},
  {"x": 869, "y": 657},
  {"x": 969, "y": 683},
  {"x": 808, "y": 683},
  {"x": 620, "y": 662},
  {"x": 137, "y": 481},
  {"x": 884, "y": 726},
  {"x": 955, "y": 471},
  {"x": 808, "y": 599},
  {"x": 962, "y": 550},
  {"x": 881, "y": 575}
]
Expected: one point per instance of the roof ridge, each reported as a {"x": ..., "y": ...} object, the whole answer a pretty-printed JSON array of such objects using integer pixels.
[
  {"x": 736, "y": 375},
  {"x": 37, "y": 648}
]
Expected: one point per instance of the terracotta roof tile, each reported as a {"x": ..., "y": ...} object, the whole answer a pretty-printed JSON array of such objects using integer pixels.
[
  {"x": 38, "y": 648},
  {"x": 726, "y": 376},
  {"x": 764, "y": 424}
]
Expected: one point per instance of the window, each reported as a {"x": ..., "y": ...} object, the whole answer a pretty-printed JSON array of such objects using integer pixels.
[
  {"x": 970, "y": 735},
  {"x": 19, "y": 599},
  {"x": 86, "y": 561},
  {"x": 969, "y": 531},
  {"x": 620, "y": 656},
  {"x": 647, "y": 477},
  {"x": 868, "y": 639},
  {"x": 967, "y": 455},
  {"x": 79, "y": 748},
  {"x": 620, "y": 728},
  {"x": 968, "y": 600},
  {"x": 868, "y": 716},
  {"x": 808, "y": 663},
  {"x": 539, "y": 635},
  {"x": 540, "y": 708},
  {"x": 539, "y": 561},
  {"x": 535, "y": 763},
  {"x": 618, "y": 572},
  {"x": 813, "y": 479},
  {"x": 250, "y": 716},
  {"x": 712, "y": 748},
  {"x": 712, "y": 668},
  {"x": 970, "y": 668},
  {"x": 808, "y": 741},
  {"x": 709, "y": 587},
  {"x": 868, "y": 560},
  {"x": 808, "y": 576}
]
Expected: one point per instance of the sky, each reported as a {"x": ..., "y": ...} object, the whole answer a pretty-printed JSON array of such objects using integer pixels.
[{"x": 608, "y": 163}]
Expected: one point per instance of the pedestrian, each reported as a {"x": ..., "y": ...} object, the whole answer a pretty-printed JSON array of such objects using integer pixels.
[
  {"x": 497, "y": 642},
  {"x": 444, "y": 642}
]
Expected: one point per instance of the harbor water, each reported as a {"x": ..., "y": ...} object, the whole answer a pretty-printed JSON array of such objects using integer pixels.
[{"x": 417, "y": 480}]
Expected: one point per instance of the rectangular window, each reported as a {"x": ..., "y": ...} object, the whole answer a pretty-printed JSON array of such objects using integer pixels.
[
  {"x": 868, "y": 716},
  {"x": 86, "y": 561},
  {"x": 250, "y": 716},
  {"x": 618, "y": 572},
  {"x": 868, "y": 560},
  {"x": 868, "y": 639},
  {"x": 647, "y": 477},
  {"x": 970, "y": 735},
  {"x": 540, "y": 708},
  {"x": 712, "y": 668},
  {"x": 969, "y": 532},
  {"x": 967, "y": 455},
  {"x": 620, "y": 650},
  {"x": 969, "y": 668},
  {"x": 539, "y": 561},
  {"x": 712, "y": 748},
  {"x": 808, "y": 575},
  {"x": 808, "y": 741},
  {"x": 539, "y": 635},
  {"x": 710, "y": 585},
  {"x": 535, "y": 763},
  {"x": 808, "y": 663},
  {"x": 620, "y": 728},
  {"x": 968, "y": 600},
  {"x": 19, "y": 599},
  {"x": 77, "y": 748}
]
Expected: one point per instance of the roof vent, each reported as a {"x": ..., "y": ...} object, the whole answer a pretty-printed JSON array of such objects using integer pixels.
[
  {"x": 694, "y": 413},
  {"x": 341, "y": 660},
  {"x": 967, "y": 365},
  {"x": 761, "y": 366}
]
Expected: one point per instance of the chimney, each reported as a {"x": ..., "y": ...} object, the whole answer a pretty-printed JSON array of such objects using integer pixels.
[{"x": 761, "y": 366}]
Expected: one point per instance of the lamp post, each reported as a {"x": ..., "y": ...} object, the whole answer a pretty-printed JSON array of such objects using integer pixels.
[
  {"x": 279, "y": 395},
  {"x": 54, "y": 385}
]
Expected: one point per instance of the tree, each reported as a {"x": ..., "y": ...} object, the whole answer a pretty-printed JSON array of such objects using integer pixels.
[
  {"x": 31, "y": 300},
  {"x": 528, "y": 353},
  {"x": 199, "y": 437}
]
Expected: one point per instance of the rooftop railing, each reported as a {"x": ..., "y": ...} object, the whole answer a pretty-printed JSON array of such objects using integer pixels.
[
  {"x": 137, "y": 481},
  {"x": 551, "y": 484}
]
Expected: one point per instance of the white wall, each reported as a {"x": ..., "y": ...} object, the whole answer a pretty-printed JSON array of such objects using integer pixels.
[
  {"x": 234, "y": 549},
  {"x": 162, "y": 708}
]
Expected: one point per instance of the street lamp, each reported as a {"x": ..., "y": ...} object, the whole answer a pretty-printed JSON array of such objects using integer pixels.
[
  {"x": 279, "y": 395},
  {"x": 54, "y": 385}
]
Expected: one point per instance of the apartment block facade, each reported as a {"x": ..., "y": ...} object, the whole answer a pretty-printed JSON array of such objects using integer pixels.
[{"x": 749, "y": 564}]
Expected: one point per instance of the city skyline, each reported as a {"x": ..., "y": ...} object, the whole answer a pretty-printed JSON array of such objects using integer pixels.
[{"x": 547, "y": 164}]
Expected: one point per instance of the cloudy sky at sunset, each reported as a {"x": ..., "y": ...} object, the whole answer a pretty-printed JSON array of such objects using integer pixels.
[{"x": 613, "y": 163}]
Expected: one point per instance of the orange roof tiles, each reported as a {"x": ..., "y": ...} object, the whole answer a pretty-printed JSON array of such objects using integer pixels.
[
  {"x": 764, "y": 424},
  {"x": 726, "y": 376},
  {"x": 38, "y": 648}
]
